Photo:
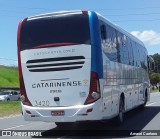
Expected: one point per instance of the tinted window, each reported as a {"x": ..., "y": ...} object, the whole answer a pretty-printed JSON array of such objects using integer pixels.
[
  {"x": 143, "y": 57},
  {"x": 15, "y": 93},
  {"x": 109, "y": 42},
  {"x": 130, "y": 51},
  {"x": 118, "y": 47},
  {"x": 55, "y": 29}
]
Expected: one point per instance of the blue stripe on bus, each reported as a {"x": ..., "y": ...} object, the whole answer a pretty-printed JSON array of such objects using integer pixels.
[{"x": 96, "y": 52}]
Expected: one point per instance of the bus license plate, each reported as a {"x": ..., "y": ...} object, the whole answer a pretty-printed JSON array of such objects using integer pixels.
[{"x": 57, "y": 113}]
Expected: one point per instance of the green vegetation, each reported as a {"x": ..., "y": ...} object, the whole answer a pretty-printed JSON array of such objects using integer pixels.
[
  {"x": 155, "y": 74},
  {"x": 154, "y": 90},
  {"x": 9, "y": 76},
  {"x": 154, "y": 78},
  {"x": 156, "y": 58},
  {"x": 10, "y": 108}
]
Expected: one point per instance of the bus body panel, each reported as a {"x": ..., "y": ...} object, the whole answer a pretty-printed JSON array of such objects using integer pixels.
[
  {"x": 96, "y": 51},
  {"x": 72, "y": 113},
  {"x": 71, "y": 87}
]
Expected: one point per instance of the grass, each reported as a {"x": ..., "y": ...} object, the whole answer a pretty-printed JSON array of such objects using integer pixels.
[
  {"x": 10, "y": 108},
  {"x": 154, "y": 90},
  {"x": 9, "y": 76}
]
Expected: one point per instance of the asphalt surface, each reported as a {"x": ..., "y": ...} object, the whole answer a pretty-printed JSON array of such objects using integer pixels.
[{"x": 136, "y": 121}]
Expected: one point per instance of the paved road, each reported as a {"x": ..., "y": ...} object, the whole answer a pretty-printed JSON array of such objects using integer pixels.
[{"x": 147, "y": 119}]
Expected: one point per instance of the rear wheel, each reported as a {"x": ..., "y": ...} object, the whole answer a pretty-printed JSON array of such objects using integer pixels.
[
  {"x": 121, "y": 111},
  {"x": 145, "y": 101}
]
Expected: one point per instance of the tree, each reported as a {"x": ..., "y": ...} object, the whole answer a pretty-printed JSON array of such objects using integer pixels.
[
  {"x": 156, "y": 58},
  {"x": 154, "y": 78}
]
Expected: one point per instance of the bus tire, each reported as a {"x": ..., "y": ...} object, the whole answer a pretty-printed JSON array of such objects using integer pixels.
[
  {"x": 145, "y": 101},
  {"x": 121, "y": 111}
]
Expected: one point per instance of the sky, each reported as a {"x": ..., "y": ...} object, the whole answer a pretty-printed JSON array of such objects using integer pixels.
[{"x": 139, "y": 17}]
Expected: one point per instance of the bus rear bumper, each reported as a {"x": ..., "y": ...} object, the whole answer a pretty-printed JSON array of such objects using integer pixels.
[{"x": 89, "y": 112}]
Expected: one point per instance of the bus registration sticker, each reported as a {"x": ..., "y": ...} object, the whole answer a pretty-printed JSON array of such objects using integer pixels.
[{"x": 57, "y": 113}]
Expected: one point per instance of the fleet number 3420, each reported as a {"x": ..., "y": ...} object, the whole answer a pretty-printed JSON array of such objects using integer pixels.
[{"x": 42, "y": 103}]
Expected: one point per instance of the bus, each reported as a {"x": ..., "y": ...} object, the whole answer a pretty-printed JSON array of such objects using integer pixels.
[{"x": 78, "y": 66}]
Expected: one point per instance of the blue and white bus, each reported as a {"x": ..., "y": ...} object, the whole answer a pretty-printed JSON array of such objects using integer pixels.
[{"x": 78, "y": 66}]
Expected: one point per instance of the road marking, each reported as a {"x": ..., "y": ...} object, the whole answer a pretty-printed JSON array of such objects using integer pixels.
[
  {"x": 13, "y": 127},
  {"x": 11, "y": 116},
  {"x": 17, "y": 126},
  {"x": 151, "y": 104}
]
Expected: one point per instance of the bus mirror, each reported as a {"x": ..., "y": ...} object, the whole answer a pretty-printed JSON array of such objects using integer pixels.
[
  {"x": 151, "y": 64},
  {"x": 103, "y": 32}
]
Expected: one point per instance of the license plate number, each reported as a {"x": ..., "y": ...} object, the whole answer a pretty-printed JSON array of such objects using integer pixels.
[{"x": 57, "y": 113}]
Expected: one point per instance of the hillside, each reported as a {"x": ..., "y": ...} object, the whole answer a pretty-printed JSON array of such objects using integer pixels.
[{"x": 9, "y": 76}]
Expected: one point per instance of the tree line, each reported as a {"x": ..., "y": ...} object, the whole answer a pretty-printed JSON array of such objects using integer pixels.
[{"x": 155, "y": 74}]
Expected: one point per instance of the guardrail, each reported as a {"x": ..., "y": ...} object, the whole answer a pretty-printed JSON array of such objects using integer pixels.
[{"x": 9, "y": 88}]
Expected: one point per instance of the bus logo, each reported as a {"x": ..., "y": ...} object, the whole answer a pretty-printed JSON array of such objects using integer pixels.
[{"x": 85, "y": 81}]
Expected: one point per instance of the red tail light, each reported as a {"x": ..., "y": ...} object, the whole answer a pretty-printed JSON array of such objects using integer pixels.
[
  {"x": 85, "y": 12},
  {"x": 22, "y": 87},
  {"x": 94, "y": 93}
]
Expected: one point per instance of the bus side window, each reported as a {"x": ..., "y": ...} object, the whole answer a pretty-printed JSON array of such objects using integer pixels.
[{"x": 103, "y": 32}]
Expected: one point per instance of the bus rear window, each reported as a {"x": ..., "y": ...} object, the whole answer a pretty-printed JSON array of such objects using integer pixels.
[{"x": 73, "y": 28}]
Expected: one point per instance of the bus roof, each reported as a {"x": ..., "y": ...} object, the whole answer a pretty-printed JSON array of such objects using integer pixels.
[
  {"x": 54, "y": 14},
  {"x": 80, "y": 12}
]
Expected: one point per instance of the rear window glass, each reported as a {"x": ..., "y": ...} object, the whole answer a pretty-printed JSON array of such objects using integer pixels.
[{"x": 73, "y": 28}]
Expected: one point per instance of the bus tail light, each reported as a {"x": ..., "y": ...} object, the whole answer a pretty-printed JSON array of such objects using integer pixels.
[
  {"x": 94, "y": 93},
  {"x": 22, "y": 86},
  {"x": 24, "y": 98},
  {"x": 85, "y": 12}
]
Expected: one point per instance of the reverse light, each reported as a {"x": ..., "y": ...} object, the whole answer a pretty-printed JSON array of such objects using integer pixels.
[
  {"x": 23, "y": 92},
  {"x": 94, "y": 93},
  {"x": 22, "y": 98}
]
